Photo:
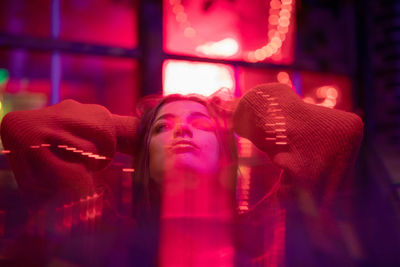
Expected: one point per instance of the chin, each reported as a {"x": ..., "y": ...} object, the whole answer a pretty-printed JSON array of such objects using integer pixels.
[{"x": 185, "y": 164}]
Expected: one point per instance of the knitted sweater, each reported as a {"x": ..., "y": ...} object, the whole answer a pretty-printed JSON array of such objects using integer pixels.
[{"x": 55, "y": 151}]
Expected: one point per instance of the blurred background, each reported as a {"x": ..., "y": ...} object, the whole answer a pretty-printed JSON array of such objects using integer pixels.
[{"x": 342, "y": 54}]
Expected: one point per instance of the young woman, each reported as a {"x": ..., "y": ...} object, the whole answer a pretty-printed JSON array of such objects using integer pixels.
[{"x": 186, "y": 170}]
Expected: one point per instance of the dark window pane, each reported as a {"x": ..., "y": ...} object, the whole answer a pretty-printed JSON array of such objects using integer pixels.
[
  {"x": 111, "y": 82},
  {"x": 25, "y": 17},
  {"x": 102, "y": 21}
]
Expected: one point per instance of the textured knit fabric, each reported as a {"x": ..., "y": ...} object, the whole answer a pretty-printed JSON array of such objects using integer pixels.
[
  {"x": 51, "y": 149},
  {"x": 315, "y": 146}
]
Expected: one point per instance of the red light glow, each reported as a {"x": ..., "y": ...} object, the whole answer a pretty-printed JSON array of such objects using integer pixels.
[
  {"x": 328, "y": 94},
  {"x": 279, "y": 20},
  {"x": 254, "y": 32},
  {"x": 283, "y": 77},
  {"x": 224, "y": 48},
  {"x": 243, "y": 188},
  {"x": 183, "y": 77}
]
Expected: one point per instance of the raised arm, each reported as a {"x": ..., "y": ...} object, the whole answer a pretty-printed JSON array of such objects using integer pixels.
[
  {"x": 55, "y": 150},
  {"x": 316, "y": 146}
]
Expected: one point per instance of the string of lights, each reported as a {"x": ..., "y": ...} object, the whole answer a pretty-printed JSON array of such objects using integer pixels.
[{"x": 279, "y": 19}]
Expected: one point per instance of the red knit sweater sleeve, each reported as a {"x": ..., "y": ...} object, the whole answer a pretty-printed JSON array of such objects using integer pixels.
[
  {"x": 316, "y": 146},
  {"x": 54, "y": 151}
]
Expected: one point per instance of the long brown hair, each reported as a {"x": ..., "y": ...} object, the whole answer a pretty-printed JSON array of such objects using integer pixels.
[{"x": 147, "y": 191}]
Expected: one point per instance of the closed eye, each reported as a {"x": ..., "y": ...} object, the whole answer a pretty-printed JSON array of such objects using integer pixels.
[
  {"x": 161, "y": 126},
  {"x": 202, "y": 123}
]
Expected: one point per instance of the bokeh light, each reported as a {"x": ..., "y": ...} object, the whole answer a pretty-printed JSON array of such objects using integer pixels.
[{"x": 185, "y": 77}]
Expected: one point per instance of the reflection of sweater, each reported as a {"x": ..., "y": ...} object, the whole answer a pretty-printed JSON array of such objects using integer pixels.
[{"x": 315, "y": 146}]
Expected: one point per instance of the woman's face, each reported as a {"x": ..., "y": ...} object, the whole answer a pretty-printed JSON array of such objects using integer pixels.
[{"x": 183, "y": 138}]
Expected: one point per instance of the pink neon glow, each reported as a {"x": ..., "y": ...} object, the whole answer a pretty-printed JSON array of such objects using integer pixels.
[
  {"x": 244, "y": 189},
  {"x": 34, "y": 146},
  {"x": 328, "y": 94},
  {"x": 183, "y": 77},
  {"x": 280, "y": 18},
  {"x": 283, "y": 77},
  {"x": 224, "y": 48},
  {"x": 6, "y": 151},
  {"x": 128, "y": 170}
]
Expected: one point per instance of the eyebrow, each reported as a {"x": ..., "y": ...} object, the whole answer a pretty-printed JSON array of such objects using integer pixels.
[{"x": 193, "y": 114}]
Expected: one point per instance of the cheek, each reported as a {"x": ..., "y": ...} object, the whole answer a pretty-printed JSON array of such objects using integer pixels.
[{"x": 210, "y": 152}]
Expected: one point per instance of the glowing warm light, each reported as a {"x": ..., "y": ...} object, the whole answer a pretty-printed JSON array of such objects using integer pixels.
[
  {"x": 279, "y": 20},
  {"x": 277, "y": 29},
  {"x": 275, "y": 4},
  {"x": 260, "y": 54},
  {"x": 273, "y": 20},
  {"x": 183, "y": 77},
  {"x": 128, "y": 170},
  {"x": 224, "y": 48},
  {"x": 182, "y": 18},
  {"x": 283, "y": 77},
  {"x": 189, "y": 32},
  {"x": 6, "y": 151},
  {"x": 95, "y": 156},
  {"x": 34, "y": 146},
  {"x": 328, "y": 94},
  {"x": 243, "y": 189},
  {"x": 281, "y": 143},
  {"x": 244, "y": 146}
]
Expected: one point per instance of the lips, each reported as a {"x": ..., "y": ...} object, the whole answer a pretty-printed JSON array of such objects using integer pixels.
[{"x": 181, "y": 146}]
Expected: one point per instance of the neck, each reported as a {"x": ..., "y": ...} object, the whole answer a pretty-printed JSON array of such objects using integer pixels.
[{"x": 188, "y": 194}]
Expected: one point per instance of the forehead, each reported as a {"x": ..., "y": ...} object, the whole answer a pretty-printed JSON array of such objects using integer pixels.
[{"x": 182, "y": 108}]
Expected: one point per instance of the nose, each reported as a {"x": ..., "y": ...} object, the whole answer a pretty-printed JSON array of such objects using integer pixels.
[{"x": 182, "y": 129}]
